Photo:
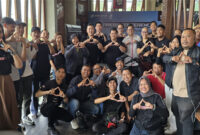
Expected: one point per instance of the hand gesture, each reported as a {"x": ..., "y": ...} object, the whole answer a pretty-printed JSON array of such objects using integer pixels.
[
  {"x": 147, "y": 104},
  {"x": 82, "y": 83},
  {"x": 100, "y": 46},
  {"x": 6, "y": 47},
  {"x": 81, "y": 44},
  {"x": 137, "y": 105},
  {"x": 146, "y": 73}
]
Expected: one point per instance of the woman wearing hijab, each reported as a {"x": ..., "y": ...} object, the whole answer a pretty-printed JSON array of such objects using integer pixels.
[
  {"x": 149, "y": 111},
  {"x": 9, "y": 116}
]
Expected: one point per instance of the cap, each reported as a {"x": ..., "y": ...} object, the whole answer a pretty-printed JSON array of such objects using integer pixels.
[{"x": 35, "y": 29}]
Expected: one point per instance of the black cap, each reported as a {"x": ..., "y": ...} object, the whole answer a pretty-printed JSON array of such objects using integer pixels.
[
  {"x": 35, "y": 29},
  {"x": 7, "y": 20},
  {"x": 20, "y": 23}
]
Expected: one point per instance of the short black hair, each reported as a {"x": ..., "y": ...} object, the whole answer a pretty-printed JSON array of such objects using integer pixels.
[
  {"x": 35, "y": 29},
  {"x": 114, "y": 29},
  {"x": 161, "y": 26},
  {"x": 86, "y": 65},
  {"x": 154, "y": 23},
  {"x": 158, "y": 62},
  {"x": 73, "y": 36},
  {"x": 126, "y": 68},
  {"x": 61, "y": 67},
  {"x": 121, "y": 25},
  {"x": 130, "y": 25},
  {"x": 90, "y": 24},
  {"x": 98, "y": 22},
  {"x": 190, "y": 29},
  {"x": 7, "y": 20},
  {"x": 112, "y": 78}
]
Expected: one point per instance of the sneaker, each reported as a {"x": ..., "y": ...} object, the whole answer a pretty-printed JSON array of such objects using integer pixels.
[
  {"x": 74, "y": 124},
  {"x": 28, "y": 121},
  {"x": 52, "y": 131},
  {"x": 80, "y": 120}
]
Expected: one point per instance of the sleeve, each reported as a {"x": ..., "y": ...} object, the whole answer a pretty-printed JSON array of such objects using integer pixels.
[
  {"x": 72, "y": 88},
  {"x": 161, "y": 108},
  {"x": 85, "y": 52},
  {"x": 121, "y": 89},
  {"x": 122, "y": 44},
  {"x": 45, "y": 86},
  {"x": 132, "y": 112},
  {"x": 69, "y": 51},
  {"x": 99, "y": 79},
  {"x": 139, "y": 45}
]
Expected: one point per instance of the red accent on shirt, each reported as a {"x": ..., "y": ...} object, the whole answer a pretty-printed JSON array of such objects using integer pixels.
[{"x": 156, "y": 84}]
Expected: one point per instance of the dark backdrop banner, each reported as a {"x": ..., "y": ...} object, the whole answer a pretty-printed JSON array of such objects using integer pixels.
[{"x": 112, "y": 19}]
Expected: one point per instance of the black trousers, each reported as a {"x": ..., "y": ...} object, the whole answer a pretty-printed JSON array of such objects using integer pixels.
[
  {"x": 25, "y": 92},
  {"x": 54, "y": 113},
  {"x": 17, "y": 89},
  {"x": 34, "y": 100},
  {"x": 100, "y": 127}
]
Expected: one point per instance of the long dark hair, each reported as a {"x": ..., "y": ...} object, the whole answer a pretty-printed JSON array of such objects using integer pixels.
[{"x": 4, "y": 39}]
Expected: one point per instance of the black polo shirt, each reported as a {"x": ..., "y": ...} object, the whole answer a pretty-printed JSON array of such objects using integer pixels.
[
  {"x": 140, "y": 44},
  {"x": 51, "y": 98},
  {"x": 126, "y": 90},
  {"x": 5, "y": 62},
  {"x": 57, "y": 58},
  {"x": 111, "y": 54},
  {"x": 160, "y": 44},
  {"x": 40, "y": 65}
]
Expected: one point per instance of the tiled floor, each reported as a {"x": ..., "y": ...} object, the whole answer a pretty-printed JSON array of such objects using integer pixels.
[{"x": 41, "y": 129}]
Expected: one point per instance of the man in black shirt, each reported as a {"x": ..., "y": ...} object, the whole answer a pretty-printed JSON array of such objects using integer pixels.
[
  {"x": 113, "y": 104},
  {"x": 81, "y": 91},
  {"x": 54, "y": 92},
  {"x": 40, "y": 64},
  {"x": 161, "y": 40},
  {"x": 128, "y": 88},
  {"x": 99, "y": 35},
  {"x": 113, "y": 49},
  {"x": 93, "y": 45}
]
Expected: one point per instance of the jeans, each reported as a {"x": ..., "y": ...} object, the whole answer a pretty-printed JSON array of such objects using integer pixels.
[
  {"x": 182, "y": 109},
  {"x": 136, "y": 131},
  {"x": 34, "y": 100},
  {"x": 55, "y": 113},
  {"x": 86, "y": 107},
  {"x": 26, "y": 91}
]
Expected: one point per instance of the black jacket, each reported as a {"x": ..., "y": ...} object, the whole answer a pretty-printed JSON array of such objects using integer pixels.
[
  {"x": 82, "y": 93},
  {"x": 75, "y": 58},
  {"x": 153, "y": 119},
  {"x": 192, "y": 71}
]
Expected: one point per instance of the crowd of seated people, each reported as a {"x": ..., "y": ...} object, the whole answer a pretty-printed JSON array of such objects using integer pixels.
[{"x": 122, "y": 83}]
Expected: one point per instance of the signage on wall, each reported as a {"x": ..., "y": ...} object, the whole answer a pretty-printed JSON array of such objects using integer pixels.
[{"x": 112, "y": 19}]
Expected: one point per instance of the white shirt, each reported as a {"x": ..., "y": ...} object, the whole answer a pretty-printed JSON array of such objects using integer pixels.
[
  {"x": 30, "y": 52},
  {"x": 131, "y": 49},
  {"x": 14, "y": 72}
]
